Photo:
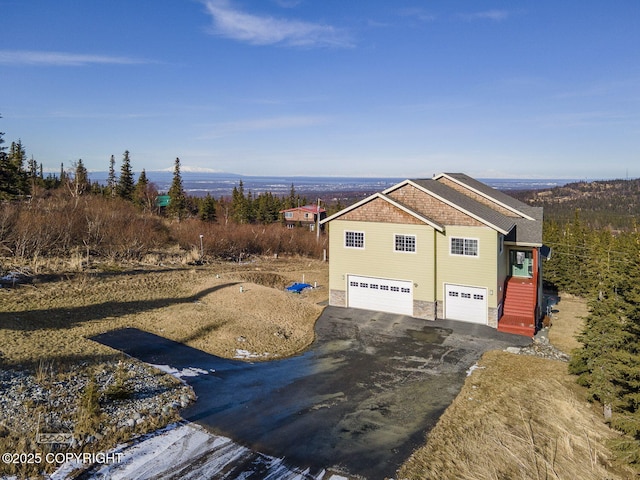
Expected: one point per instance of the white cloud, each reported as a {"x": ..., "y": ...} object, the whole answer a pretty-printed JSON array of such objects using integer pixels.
[
  {"x": 88, "y": 115},
  {"x": 585, "y": 119},
  {"x": 19, "y": 57},
  {"x": 266, "y": 30},
  {"x": 61, "y": 59},
  {"x": 288, "y": 3},
  {"x": 495, "y": 15},
  {"x": 418, "y": 14}
]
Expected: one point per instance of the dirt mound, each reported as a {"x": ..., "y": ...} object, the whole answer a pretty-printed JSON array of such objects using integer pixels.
[{"x": 266, "y": 279}]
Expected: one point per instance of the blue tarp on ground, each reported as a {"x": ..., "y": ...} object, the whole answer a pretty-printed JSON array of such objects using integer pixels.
[{"x": 298, "y": 287}]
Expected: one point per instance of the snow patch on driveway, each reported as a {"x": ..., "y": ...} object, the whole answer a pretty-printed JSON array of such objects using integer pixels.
[
  {"x": 187, "y": 451},
  {"x": 185, "y": 372}
]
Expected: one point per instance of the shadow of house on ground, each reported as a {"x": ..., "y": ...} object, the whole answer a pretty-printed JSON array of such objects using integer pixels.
[
  {"x": 360, "y": 400},
  {"x": 60, "y": 318}
]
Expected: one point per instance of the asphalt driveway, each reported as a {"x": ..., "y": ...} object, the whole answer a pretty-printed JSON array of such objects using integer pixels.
[{"x": 360, "y": 400}]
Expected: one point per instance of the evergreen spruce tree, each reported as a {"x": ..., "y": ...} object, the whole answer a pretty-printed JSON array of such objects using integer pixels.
[
  {"x": 17, "y": 157},
  {"x": 608, "y": 364},
  {"x": 112, "y": 181},
  {"x": 140, "y": 191},
  {"x": 32, "y": 173},
  {"x": 249, "y": 213},
  {"x": 239, "y": 203},
  {"x": 5, "y": 172},
  {"x": 207, "y": 211},
  {"x": 267, "y": 208},
  {"x": 14, "y": 180},
  {"x": 291, "y": 200},
  {"x": 177, "y": 197},
  {"x": 79, "y": 183},
  {"x": 125, "y": 182}
]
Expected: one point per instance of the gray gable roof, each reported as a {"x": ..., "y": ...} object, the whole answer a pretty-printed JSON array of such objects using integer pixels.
[
  {"x": 528, "y": 231},
  {"x": 488, "y": 192},
  {"x": 528, "y": 226},
  {"x": 487, "y": 215},
  {"x": 525, "y": 228}
]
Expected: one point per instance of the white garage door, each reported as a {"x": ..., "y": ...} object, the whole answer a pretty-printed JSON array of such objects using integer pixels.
[
  {"x": 468, "y": 304},
  {"x": 393, "y": 296}
]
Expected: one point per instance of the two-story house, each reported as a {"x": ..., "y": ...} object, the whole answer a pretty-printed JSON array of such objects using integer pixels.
[
  {"x": 306, "y": 216},
  {"x": 446, "y": 247}
]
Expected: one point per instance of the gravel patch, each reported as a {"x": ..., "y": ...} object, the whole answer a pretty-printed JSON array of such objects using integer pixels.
[{"x": 131, "y": 399}]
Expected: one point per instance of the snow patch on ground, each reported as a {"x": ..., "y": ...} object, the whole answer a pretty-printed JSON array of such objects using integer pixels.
[
  {"x": 473, "y": 367},
  {"x": 247, "y": 354},
  {"x": 185, "y": 372},
  {"x": 187, "y": 451}
]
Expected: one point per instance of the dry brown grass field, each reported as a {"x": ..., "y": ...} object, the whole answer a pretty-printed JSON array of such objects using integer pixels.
[
  {"x": 46, "y": 325},
  {"x": 517, "y": 417},
  {"x": 200, "y": 306},
  {"x": 522, "y": 417},
  {"x": 568, "y": 320}
]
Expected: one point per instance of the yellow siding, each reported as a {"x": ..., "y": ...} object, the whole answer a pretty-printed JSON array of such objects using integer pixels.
[
  {"x": 378, "y": 258},
  {"x": 480, "y": 271}
]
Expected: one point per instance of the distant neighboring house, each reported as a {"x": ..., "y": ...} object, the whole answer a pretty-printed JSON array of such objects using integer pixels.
[
  {"x": 305, "y": 216},
  {"x": 162, "y": 202},
  {"x": 447, "y": 247}
]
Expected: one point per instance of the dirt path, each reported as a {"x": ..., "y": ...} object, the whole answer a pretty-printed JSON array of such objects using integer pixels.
[{"x": 567, "y": 321}]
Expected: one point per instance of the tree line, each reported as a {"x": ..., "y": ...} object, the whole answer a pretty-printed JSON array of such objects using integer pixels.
[
  {"x": 603, "y": 266},
  {"x": 60, "y": 214},
  {"x": 22, "y": 178}
]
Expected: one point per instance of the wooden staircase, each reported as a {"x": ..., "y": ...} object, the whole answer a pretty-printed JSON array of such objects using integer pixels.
[{"x": 519, "y": 307}]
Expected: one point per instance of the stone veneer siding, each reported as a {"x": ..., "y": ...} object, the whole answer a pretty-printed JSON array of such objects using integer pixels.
[
  {"x": 421, "y": 309},
  {"x": 493, "y": 317},
  {"x": 338, "y": 298},
  {"x": 424, "y": 310}
]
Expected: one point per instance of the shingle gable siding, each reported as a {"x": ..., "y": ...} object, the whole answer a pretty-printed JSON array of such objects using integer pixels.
[
  {"x": 431, "y": 207},
  {"x": 378, "y": 210},
  {"x": 477, "y": 197}
]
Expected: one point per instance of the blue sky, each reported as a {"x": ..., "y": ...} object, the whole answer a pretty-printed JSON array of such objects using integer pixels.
[{"x": 402, "y": 88}]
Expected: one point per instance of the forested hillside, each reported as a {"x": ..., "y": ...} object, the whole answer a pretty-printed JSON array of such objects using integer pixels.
[
  {"x": 592, "y": 231},
  {"x": 602, "y": 204}
]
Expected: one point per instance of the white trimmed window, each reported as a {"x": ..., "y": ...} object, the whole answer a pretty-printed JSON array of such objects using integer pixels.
[
  {"x": 405, "y": 243},
  {"x": 464, "y": 246},
  {"x": 354, "y": 239},
  {"x": 288, "y": 214}
]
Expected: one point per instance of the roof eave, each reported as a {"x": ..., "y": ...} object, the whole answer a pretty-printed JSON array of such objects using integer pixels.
[
  {"x": 382, "y": 196},
  {"x": 458, "y": 207},
  {"x": 524, "y": 244},
  {"x": 508, "y": 207}
]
